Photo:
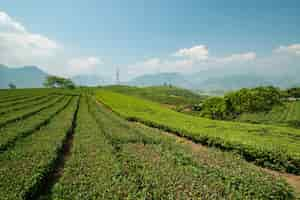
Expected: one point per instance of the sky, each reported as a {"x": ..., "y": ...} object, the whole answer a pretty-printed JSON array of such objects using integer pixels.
[{"x": 139, "y": 37}]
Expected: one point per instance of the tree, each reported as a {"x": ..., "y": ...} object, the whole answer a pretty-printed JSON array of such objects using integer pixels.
[
  {"x": 67, "y": 83},
  {"x": 253, "y": 100},
  {"x": 12, "y": 86},
  {"x": 58, "y": 82},
  {"x": 293, "y": 92},
  {"x": 214, "y": 108},
  {"x": 260, "y": 99}
]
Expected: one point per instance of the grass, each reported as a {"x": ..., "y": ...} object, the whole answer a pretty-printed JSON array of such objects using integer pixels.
[{"x": 266, "y": 145}]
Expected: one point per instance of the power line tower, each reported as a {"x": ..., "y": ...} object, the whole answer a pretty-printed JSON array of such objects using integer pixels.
[{"x": 118, "y": 76}]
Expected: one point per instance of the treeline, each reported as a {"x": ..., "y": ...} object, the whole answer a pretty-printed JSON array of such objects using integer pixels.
[
  {"x": 292, "y": 92},
  {"x": 58, "y": 82},
  {"x": 246, "y": 100}
]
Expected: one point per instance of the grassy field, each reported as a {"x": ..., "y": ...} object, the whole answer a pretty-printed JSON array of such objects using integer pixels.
[
  {"x": 287, "y": 114},
  {"x": 65, "y": 145},
  {"x": 173, "y": 96},
  {"x": 269, "y": 146}
]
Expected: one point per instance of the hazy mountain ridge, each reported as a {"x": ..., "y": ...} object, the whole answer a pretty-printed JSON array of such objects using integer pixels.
[
  {"x": 89, "y": 80},
  {"x": 207, "y": 81},
  {"x": 161, "y": 79},
  {"x": 33, "y": 77},
  {"x": 23, "y": 77}
]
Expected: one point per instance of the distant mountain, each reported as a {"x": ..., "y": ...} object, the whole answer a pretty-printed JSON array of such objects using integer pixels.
[
  {"x": 161, "y": 79},
  {"x": 216, "y": 81},
  {"x": 90, "y": 80},
  {"x": 233, "y": 82},
  {"x": 23, "y": 77}
]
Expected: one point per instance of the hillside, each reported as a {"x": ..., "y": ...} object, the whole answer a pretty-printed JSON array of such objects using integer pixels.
[
  {"x": 61, "y": 146},
  {"x": 23, "y": 77},
  {"x": 173, "y": 96},
  {"x": 269, "y": 146},
  {"x": 286, "y": 114},
  {"x": 160, "y": 79}
]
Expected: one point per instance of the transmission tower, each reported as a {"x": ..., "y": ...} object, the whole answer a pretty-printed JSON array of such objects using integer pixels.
[{"x": 118, "y": 76}]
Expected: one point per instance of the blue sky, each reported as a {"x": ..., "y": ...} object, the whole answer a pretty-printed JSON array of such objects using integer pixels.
[{"x": 144, "y": 36}]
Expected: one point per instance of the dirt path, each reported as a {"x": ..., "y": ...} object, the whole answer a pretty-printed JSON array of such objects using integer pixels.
[{"x": 293, "y": 180}]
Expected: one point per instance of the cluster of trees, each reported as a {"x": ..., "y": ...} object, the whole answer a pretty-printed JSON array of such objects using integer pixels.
[
  {"x": 244, "y": 100},
  {"x": 293, "y": 92},
  {"x": 12, "y": 86},
  {"x": 58, "y": 82}
]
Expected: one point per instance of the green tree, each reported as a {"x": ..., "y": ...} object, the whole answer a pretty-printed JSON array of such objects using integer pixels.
[
  {"x": 58, "y": 82},
  {"x": 214, "y": 108},
  {"x": 253, "y": 100},
  {"x": 293, "y": 92},
  {"x": 241, "y": 101},
  {"x": 12, "y": 86}
]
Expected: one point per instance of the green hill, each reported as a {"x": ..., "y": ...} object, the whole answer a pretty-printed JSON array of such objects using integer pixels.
[
  {"x": 172, "y": 96},
  {"x": 286, "y": 114}
]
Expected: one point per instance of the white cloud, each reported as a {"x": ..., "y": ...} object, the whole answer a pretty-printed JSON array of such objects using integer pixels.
[
  {"x": 242, "y": 57},
  {"x": 199, "y": 52},
  {"x": 292, "y": 49},
  {"x": 190, "y": 60},
  {"x": 83, "y": 65},
  {"x": 10, "y": 25},
  {"x": 21, "y": 47}
]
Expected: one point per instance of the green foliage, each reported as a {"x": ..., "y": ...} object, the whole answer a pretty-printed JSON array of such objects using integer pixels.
[
  {"x": 12, "y": 86},
  {"x": 169, "y": 95},
  {"x": 111, "y": 158},
  {"x": 92, "y": 169},
  {"x": 11, "y": 117},
  {"x": 58, "y": 82},
  {"x": 136, "y": 162},
  {"x": 285, "y": 114},
  {"x": 12, "y": 132},
  {"x": 269, "y": 146},
  {"x": 253, "y": 100},
  {"x": 293, "y": 92},
  {"x": 25, "y": 165},
  {"x": 242, "y": 101},
  {"x": 214, "y": 108}
]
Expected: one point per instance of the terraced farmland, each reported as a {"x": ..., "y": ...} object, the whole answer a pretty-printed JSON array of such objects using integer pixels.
[
  {"x": 65, "y": 145},
  {"x": 287, "y": 114},
  {"x": 266, "y": 145}
]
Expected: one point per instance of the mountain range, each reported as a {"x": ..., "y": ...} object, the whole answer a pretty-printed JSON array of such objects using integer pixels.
[
  {"x": 33, "y": 77},
  {"x": 214, "y": 81},
  {"x": 23, "y": 77}
]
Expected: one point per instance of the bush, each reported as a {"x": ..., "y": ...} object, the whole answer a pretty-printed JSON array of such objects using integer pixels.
[
  {"x": 214, "y": 108},
  {"x": 243, "y": 101}
]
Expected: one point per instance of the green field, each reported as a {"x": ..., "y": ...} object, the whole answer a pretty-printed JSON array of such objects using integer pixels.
[
  {"x": 173, "y": 96},
  {"x": 63, "y": 144},
  {"x": 287, "y": 114},
  {"x": 266, "y": 145}
]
